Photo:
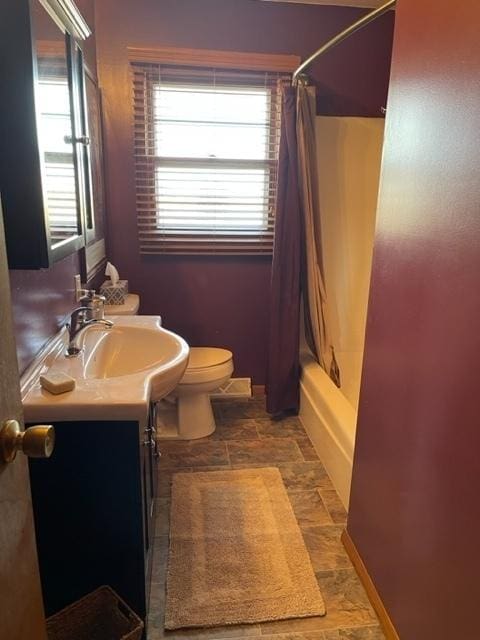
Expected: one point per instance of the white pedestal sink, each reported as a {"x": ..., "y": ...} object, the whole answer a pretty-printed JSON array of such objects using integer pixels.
[{"x": 118, "y": 372}]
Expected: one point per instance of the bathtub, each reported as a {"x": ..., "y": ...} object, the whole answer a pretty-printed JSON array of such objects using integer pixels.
[{"x": 330, "y": 421}]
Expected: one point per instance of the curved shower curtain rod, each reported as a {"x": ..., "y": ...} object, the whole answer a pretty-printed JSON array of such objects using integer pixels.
[{"x": 366, "y": 19}]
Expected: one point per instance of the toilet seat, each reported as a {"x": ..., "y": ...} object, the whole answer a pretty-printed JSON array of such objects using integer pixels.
[{"x": 207, "y": 364}]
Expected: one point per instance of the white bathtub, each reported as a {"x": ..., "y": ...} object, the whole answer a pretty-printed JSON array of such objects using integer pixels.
[
  {"x": 349, "y": 154},
  {"x": 330, "y": 421}
]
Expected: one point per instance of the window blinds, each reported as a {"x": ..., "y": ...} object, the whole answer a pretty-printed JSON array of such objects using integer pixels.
[{"x": 206, "y": 152}]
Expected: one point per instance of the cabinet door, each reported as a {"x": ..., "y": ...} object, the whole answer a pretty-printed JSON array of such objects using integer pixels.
[
  {"x": 150, "y": 477},
  {"x": 95, "y": 252},
  {"x": 149, "y": 465},
  {"x": 40, "y": 165},
  {"x": 91, "y": 531},
  {"x": 58, "y": 129},
  {"x": 83, "y": 143},
  {"x": 94, "y": 124}
]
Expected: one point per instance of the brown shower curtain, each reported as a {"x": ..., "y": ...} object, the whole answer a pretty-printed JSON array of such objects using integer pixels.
[
  {"x": 297, "y": 258},
  {"x": 283, "y": 367}
]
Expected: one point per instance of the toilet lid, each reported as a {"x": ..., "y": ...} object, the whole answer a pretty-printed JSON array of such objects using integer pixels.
[{"x": 203, "y": 357}]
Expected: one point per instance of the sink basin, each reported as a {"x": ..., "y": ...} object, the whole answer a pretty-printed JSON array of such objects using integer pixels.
[
  {"x": 126, "y": 350},
  {"x": 122, "y": 351},
  {"x": 118, "y": 372}
]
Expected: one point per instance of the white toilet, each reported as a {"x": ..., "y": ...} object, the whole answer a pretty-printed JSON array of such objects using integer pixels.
[
  {"x": 208, "y": 368},
  {"x": 128, "y": 308}
]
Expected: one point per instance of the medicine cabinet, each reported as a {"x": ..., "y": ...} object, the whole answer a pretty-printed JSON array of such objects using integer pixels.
[{"x": 45, "y": 172}]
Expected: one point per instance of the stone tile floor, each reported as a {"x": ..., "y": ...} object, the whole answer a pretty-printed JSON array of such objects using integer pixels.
[{"x": 247, "y": 437}]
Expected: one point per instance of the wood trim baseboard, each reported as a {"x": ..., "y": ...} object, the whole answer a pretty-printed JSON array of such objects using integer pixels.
[
  {"x": 220, "y": 59},
  {"x": 372, "y": 593},
  {"x": 258, "y": 390}
]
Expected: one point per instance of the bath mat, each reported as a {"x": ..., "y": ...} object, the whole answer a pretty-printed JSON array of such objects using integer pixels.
[{"x": 236, "y": 552}]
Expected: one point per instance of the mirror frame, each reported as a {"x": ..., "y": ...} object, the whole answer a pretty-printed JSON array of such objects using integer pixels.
[{"x": 21, "y": 168}]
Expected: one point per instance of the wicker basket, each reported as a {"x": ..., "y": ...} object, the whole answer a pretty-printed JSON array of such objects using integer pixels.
[{"x": 101, "y": 615}]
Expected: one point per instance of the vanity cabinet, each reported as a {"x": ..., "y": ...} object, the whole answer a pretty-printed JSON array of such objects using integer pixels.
[
  {"x": 45, "y": 164},
  {"x": 94, "y": 508}
]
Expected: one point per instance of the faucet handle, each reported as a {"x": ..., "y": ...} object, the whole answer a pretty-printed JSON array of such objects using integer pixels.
[
  {"x": 97, "y": 305},
  {"x": 86, "y": 296}
]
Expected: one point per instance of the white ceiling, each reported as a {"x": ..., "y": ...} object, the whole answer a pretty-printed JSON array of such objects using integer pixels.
[{"x": 373, "y": 4}]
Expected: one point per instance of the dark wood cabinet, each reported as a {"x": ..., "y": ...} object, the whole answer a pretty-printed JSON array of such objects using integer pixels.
[
  {"x": 45, "y": 169},
  {"x": 94, "y": 507}
]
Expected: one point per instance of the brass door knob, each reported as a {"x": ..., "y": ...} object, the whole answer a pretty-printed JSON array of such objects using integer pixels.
[{"x": 35, "y": 442}]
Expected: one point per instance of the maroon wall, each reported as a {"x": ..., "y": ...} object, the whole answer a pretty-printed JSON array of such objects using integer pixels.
[
  {"x": 220, "y": 301},
  {"x": 41, "y": 299},
  {"x": 414, "y": 514}
]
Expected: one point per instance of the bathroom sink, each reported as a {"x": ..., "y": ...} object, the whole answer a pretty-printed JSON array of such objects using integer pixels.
[
  {"x": 118, "y": 372},
  {"x": 135, "y": 350},
  {"x": 122, "y": 351}
]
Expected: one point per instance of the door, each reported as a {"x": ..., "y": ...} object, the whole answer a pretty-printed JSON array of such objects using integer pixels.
[
  {"x": 414, "y": 506},
  {"x": 21, "y": 607}
]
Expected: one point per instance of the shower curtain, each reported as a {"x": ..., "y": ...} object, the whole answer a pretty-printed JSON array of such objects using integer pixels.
[
  {"x": 313, "y": 280},
  {"x": 283, "y": 366},
  {"x": 297, "y": 258}
]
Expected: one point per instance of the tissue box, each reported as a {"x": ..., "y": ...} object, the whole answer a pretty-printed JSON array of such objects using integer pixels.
[{"x": 114, "y": 294}]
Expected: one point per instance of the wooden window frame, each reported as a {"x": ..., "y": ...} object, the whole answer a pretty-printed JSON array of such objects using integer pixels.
[{"x": 152, "y": 239}]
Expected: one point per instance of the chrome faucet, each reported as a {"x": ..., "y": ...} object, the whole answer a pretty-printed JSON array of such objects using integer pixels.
[
  {"x": 90, "y": 314},
  {"x": 95, "y": 304}
]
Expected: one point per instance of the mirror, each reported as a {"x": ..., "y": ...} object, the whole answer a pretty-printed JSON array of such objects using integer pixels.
[
  {"x": 45, "y": 183},
  {"x": 55, "y": 128}
]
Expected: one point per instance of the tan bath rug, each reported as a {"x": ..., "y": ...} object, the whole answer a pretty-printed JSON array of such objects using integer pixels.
[{"x": 236, "y": 552}]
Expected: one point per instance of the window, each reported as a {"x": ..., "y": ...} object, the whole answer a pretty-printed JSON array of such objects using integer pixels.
[{"x": 206, "y": 151}]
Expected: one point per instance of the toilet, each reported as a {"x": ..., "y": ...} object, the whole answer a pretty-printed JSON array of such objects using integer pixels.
[
  {"x": 128, "y": 308},
  {"x": 208, "y": 368}
]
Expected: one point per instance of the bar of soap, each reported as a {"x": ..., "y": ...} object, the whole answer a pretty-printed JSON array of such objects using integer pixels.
[{"x": 57, "y": 382}]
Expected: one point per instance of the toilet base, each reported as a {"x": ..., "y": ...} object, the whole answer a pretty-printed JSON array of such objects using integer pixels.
[{"x": 195, "y": 416}]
